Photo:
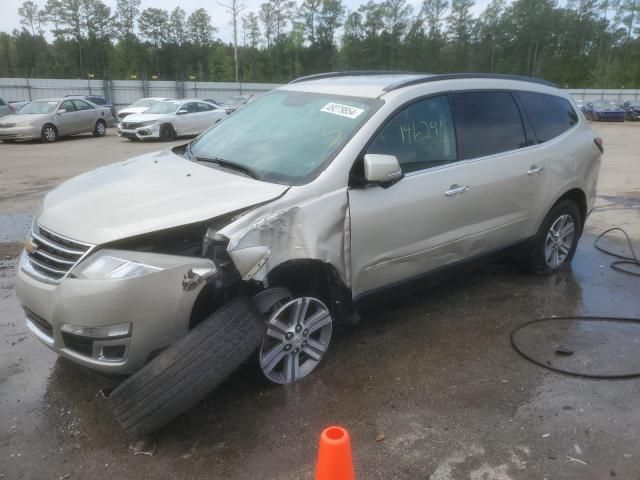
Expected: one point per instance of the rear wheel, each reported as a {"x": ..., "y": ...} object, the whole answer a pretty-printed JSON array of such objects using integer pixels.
[
  {"x": 183, "y": 374},
  {"x": 49, "y": 133},
  {"x": 555, "y": 244},
  {"x": 100, "y": 129},
  {"x": 167, "y": 133}
]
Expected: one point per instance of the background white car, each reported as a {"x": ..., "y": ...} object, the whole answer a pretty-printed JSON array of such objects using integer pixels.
[
  {"x": 170, "y": 119},
  {"x": 140, "y": 106}
]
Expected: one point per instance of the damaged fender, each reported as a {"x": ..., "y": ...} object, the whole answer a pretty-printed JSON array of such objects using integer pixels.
[{"x": 313, "y": 229}]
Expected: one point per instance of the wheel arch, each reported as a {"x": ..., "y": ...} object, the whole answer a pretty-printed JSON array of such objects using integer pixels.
[
  {"x": 578, "y": 196},
  {"x": 302, "y": 276}
]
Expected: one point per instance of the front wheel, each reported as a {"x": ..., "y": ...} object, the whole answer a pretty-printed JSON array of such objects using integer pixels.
[
  {"x": 184, "y": 373},
  {"x": 49, "y": 133},
  {"x": 167, "y": 133},
  {"x": 555, "y": 244}
]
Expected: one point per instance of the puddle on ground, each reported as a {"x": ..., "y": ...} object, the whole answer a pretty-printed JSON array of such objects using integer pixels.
[{"x": 14, "y": 227}]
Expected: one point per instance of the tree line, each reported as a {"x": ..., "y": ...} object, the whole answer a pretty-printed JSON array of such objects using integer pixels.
[{"x": 583, "y": 43}]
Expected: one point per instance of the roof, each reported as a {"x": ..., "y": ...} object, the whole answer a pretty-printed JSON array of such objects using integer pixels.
[{"x": 373, "y": 84}]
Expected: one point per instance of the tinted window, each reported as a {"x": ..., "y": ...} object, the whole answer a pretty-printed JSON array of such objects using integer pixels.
[
  {"x": 488, "y": 123},
  {"x": 550, "y": 116},
  {"x": 80, "y": 105},
  {"x": 420, "y": 136},
  {"x": 97, "y": 100},
  {"x": 191, "y": 107},
  {"x": 203, "y": 107},
  {"x": 68, "y": 106}
]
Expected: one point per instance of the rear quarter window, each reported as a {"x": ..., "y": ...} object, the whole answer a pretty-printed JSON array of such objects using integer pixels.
[
  {"x": 550, "y": 116},
  {"x": 488, "y": 122}
]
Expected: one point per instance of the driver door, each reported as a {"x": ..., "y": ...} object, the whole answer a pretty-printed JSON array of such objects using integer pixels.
[
  {"x": 186, "y": 123},
  {"x": 417, "y": 224}
]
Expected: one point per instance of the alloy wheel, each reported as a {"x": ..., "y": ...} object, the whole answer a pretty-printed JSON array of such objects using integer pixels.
[
  {"x": 50, "y": 134},
  {"x": 101, "y": 129},
  {"x": 559, "y": 241},
  {"x": 298, "y": 336}
]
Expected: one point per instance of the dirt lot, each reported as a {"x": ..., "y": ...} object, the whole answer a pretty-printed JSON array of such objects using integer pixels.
[{"x": 429, "y": 386}]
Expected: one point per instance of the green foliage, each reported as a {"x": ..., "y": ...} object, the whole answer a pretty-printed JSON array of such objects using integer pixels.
[{"x": 578, "y": 43}]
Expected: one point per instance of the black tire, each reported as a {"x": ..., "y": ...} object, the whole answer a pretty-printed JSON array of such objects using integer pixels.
[
  {"x": 167, "y": 133},
  {"x": 535, "y": 261},
  {"x": 100, "y": 130},
  {"x": 49, "y": 133},
  {"x": 186, "y": 372}
]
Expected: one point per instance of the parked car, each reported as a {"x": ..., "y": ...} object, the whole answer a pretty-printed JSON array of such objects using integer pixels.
[
  {"x": 53, "y": 118},
  {"x": 170, "y": 119},
  {"x": 604, "y": 111},
  {"x": 140, "y": 106},
  {"x": 632, "y": 110},
  {"x": 6, "y": 108},
  {"x": 283, "y": 219},
  {"x": 16, "y": 105},
  {"x": 234, "y": 103},
  {"x": 100, "y": 102}
]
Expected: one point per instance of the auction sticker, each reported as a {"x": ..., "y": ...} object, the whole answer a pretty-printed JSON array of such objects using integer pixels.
[{"x": 342, "y": 110}]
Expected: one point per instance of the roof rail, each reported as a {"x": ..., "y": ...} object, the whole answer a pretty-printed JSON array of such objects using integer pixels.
[
  {"x": 353, "y": 73},
  {"x": 457, "y": 76}
]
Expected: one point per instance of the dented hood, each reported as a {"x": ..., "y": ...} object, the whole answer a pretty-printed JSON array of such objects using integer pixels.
[{"x": 145, "y": 194}]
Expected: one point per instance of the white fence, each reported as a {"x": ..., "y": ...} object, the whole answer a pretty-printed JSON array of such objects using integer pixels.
[
  {"x": 125, "y": 92},
  {"x": 621, "y": 95}
]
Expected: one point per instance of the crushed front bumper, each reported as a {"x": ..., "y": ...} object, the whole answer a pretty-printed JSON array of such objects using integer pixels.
[{"x": 157, "y": 307}]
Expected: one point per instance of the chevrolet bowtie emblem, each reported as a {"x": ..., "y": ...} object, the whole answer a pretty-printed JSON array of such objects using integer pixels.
[{"x": 30, "y": 247}]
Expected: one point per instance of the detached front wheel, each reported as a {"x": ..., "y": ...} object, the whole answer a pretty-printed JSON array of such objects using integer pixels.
[
  {"x": 49, "y": 133},
  {"x": 183, "y": 374}
]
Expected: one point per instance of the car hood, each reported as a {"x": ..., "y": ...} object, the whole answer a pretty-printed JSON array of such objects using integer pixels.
[
  {"x": 152, "y": 192},
  {"x": 145, "y": 117},
  {"x": 133, "y": 110},
  {"x": 21, "y": 118}
]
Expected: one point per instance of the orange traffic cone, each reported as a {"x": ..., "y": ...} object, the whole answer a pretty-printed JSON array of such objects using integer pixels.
[{"x": 334, "y": 455}]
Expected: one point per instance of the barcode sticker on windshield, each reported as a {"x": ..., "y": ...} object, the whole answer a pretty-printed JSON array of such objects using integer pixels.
[{"x": 342, "y": 110}]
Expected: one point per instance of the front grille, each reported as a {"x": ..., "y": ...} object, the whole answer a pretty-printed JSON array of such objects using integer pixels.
[
  {"x": 130, "y": 125},
  {"x": 8, "y": 136},
  {"x": 39, "y": 322},
  {"x": 52, "y": 255}
]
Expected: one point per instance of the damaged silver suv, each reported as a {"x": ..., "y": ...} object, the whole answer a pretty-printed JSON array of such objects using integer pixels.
[{"x": 276, "y": 223}]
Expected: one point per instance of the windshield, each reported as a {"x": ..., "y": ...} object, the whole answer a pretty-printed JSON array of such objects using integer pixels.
[
  {"x": 39, "y": 107},
  {"x": 285, "y": 137},
  {"x": 605, "y": 104},
  {"x": 163, "y": 107},
  {"x": 143, "y": 102}
]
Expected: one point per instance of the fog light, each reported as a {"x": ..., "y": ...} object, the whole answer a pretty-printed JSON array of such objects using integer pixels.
[{"x": 109, "y": 331}]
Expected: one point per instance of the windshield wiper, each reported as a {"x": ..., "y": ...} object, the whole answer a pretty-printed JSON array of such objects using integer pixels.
[{"x": 231, "y": 165}]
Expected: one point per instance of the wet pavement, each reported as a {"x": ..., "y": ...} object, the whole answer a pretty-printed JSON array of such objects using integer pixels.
[{"x": 428, "y": 386}]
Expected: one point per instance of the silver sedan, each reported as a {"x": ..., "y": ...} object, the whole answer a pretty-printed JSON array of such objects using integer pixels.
[{"x": 53, "y": 118}]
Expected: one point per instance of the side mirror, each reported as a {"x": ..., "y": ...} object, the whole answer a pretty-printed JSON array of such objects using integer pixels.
[
  {"x": 61, "y": 110},
  {"x": 182, "y": 112},
  {"x": 382, "y": 169}
]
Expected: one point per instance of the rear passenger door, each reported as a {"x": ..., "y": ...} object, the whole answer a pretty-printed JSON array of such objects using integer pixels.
[
  {"x": 496, "y": 139},
  {"x": 207, "y": 117}
]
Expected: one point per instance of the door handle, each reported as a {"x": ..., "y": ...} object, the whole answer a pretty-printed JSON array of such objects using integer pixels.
[
  {"x": 456, "y": 190},
  {"x": 534, "y": 170}
]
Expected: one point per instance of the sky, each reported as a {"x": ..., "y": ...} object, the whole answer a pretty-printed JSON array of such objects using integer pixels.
[{"x": 220, "y": 19}]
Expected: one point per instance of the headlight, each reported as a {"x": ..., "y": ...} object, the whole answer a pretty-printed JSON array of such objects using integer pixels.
[
  {"x": 30, "y": 123},
  {"x": 110, "y": 267},
  {"x": 120, "y": 330}
]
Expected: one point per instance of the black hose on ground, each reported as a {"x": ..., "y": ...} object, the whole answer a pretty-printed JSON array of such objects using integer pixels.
[
  {"x": 571, "y": 372},
  {"x": 632, "y": 260}
]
